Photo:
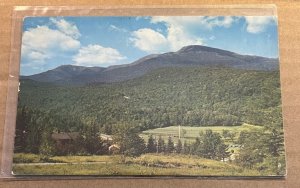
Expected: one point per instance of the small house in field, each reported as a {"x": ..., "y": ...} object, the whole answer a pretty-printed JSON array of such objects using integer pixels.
[
  {"x": 65, "y": 142},
  {"x": 64, "y": 138},
  {"x": 67, "y": 137}
]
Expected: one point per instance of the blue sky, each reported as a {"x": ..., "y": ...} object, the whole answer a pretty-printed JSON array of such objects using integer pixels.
[{"x": 48, "y": 42}]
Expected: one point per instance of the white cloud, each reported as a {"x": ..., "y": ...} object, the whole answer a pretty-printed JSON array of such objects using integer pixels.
[
  {"x": 96, "y": 55},
  {"x": 258, "y": 24},
  {"x": 41, "y": 38},
  {"x": 212, "y": 37},
  {"x": 180, "y": 32},
  {"x": 42, "y": 43},
  {"x": 149, "y": 40},
  {"x": 188, "y": 22},
  {"x": 37, "y": 56},
  {"x": 67, "y": 28},
  {"x": 37, "y": 59},
  {"x": 119, "y": 29},
  {"x": 226, "y": 21},
  {"x": 178, "y": 38}
]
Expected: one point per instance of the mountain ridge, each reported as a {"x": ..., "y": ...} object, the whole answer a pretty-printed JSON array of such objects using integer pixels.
[{"x": 193, "y": 55}]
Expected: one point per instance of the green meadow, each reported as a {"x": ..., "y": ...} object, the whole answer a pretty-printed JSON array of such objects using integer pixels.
[
  {"x": 146, "y": 164},
  {"x": 189, "y": 133}
]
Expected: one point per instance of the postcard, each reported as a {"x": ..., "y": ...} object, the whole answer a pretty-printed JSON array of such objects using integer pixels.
[{"x": 150, "y": 96}]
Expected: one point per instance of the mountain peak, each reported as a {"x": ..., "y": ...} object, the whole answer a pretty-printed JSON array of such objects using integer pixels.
[
  {"x": 193, "y": 48},
  {"x": 200, "y": 48}
]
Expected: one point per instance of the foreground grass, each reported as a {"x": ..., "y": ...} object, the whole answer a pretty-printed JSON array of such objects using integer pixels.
[
  {"x": 34, "y": 158},
  {"x": 145, "y": 165}
]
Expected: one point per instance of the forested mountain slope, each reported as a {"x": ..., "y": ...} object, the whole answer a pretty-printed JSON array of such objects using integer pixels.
[{"x": 191, "y": 96}]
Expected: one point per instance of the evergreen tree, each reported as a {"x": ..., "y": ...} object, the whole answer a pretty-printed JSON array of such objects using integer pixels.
[
  {"x": 179, "y": 147},
  {"x": 210, "y": 145},
  {"x": 252, "y": 151},
  {"x": 22, "y": 126},
  {"x": 131, "y": 144},
  {"x": 274, "y": 141},
  {"x": 170, "y": 145},
  {"x": 47, "y": 147},
  {"x": 34, "y": 131},
  {"x": 222, "y": 152},
  {"x": 262, "y": 149},
  {"x": 160, "y": 145},
  {"x": 211, "y": 141},
  {"x": 91, "y": 139},
  {"x": 186, "y": 148},
  {"x": 197, "y": 147},
  {"x": 151, "y": 146}
]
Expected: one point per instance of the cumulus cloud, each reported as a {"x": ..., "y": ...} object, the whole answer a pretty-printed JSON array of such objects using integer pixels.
[
  {"x": 180, "y": 32},
  {"x": 96, "y": 55},
  {"x": 258, "y": 24},
  {"x": 46, "y": 42},
  {"x": 149, "y": 40},
  {"x": 42, "y": 43},
  {"x": 178, "y": 38},
  {"x": 67, "y": 28},
  {"x": 152, "y": 41},
  {"x": 36, "y": 58}
]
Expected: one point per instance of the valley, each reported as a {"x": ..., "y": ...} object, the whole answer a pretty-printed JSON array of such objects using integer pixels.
[{"x": 129, "y": 116}]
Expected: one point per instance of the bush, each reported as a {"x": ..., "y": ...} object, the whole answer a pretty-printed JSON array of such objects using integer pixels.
[{"x": 26, "y": 158}]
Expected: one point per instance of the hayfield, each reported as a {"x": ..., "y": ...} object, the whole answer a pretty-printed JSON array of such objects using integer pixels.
[
  {"x": 147, "y": 164},
  {"x": 190, "y": 133}
]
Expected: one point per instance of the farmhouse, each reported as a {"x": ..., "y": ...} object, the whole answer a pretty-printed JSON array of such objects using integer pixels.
[
  {"x": 65, "y": 141},
  {"x": 64, "y": 138}
]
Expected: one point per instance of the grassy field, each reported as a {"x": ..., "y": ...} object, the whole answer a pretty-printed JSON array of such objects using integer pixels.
[
  {"x": 148, "y": 164},
  {"x": 34, "y": 158},
  {"x": 192, "y": 132}
]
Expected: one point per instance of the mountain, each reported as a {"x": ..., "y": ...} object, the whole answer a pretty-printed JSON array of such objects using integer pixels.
[
  {"x": 188, "y": 96},
  {"x": 193, "y": 55},
  {"x": 67, "y": 74}
]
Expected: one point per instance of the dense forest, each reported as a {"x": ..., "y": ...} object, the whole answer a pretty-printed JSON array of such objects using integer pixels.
[{"x": 171, "y": 96}]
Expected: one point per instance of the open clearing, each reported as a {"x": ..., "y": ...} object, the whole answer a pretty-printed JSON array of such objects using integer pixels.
[{"x": 190, "y": 133}]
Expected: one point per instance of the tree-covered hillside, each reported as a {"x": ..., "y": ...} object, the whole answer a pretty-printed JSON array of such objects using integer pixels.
[{"x": 189, "y": 96}]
